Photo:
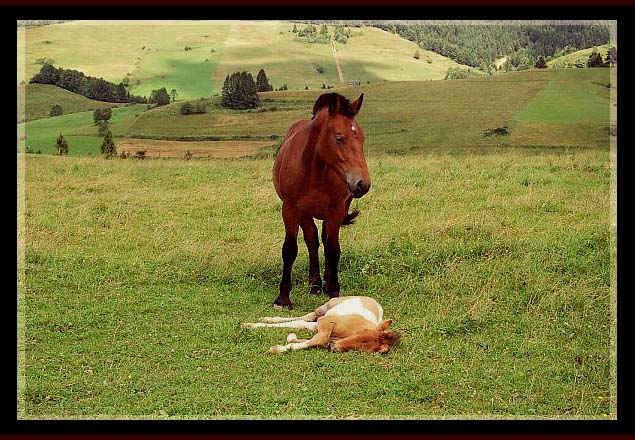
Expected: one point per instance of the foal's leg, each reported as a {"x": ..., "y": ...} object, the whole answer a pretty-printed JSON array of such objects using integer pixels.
[
  {"x": 289, "y": 253},
  {"x": 324, "y": 329},
  {"x": 276, "y": 319},
  {"x": 311, "y": 239},
  {"x": 313, "y": 326}
]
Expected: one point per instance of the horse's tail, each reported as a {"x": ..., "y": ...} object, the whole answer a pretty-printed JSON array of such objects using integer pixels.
[{"x": 350, "y": 218}]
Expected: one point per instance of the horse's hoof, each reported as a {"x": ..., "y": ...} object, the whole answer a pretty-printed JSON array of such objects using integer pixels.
[{"x": 282, "y": 304}]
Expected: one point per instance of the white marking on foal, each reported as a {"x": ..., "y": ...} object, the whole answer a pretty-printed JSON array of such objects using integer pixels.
[{"x": 353, "y": 306}]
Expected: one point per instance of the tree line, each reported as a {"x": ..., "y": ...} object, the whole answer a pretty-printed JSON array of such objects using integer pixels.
[
  {"x": 476, "y": 44},
  {"x": 88, "y": 86}
]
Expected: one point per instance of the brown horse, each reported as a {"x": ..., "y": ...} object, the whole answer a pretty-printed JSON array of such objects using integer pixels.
[{"x": 319, "y": 169}]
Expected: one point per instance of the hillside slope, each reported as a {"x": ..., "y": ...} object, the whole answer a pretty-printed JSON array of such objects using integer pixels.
[
  {"x": 538, "y": 108},
  {"x": 579, "y": 56},
  {"x": 36, "y": 100},
  {"x": 195, "y": 57}
]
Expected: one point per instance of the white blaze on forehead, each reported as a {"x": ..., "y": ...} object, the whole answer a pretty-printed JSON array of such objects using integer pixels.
[
  {"x": 353, "y": 128},
  {"x": 353, "y": 306}
]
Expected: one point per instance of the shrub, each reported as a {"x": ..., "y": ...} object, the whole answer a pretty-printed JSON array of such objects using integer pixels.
[
  {"x": 61, "y": 145},
  {"x": 108, "y": 148},
  {"x": 56, "y": 110}
]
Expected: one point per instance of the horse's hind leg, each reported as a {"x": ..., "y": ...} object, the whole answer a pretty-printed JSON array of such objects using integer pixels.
[
  {"x": 289, "y": 253},
  {"x": 311, "y": 239}
]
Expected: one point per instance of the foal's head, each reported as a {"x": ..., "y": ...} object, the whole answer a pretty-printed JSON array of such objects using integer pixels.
[
  {"x": 378, "y": 340},
  {"x": 341, "y": 140}
]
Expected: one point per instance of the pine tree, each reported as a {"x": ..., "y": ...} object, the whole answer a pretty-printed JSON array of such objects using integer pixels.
[
  {"x": 262, "y": 83},
  {"x": 108, "y": 148},
  {"x": 61, "y": 145},
  {"x": 541, "y": 63},
  {"x": 239, "y": 91}
]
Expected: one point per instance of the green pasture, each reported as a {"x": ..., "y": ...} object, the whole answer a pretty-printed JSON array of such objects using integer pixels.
[
  {"x": 553, "y": 107},
  {"x": 35, "y": 101},
  {"x": 78, "y": 129},
  {"x": 579, "y": 56},
  {"x": 492, "y": 253},
  {"x": 398, "y": 117},
  {"x": 495, "y": 268},
  {"x": 151, "y": 54}
]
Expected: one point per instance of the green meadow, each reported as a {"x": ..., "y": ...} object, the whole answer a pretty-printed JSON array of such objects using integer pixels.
[
  {"x": 567, "y": 107},
  {"x": 152, "y": 54},
  {"x": 495, "y": 268}
]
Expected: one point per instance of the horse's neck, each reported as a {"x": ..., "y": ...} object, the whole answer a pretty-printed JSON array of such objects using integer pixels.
[{"x": 309, "y": 155}]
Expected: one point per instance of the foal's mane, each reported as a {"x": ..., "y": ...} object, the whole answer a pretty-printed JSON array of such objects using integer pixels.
[{"x": 336, "y": 103}]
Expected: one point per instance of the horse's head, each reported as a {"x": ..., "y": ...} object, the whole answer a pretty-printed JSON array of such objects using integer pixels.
[
  {"x": 341, "y": 140},
  {"x": 378, "y": 340}
]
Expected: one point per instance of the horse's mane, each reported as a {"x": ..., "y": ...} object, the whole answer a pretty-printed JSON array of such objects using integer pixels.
[{"x": 336, "y": 103}]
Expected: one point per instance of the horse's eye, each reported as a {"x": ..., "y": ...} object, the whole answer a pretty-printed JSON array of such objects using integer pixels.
[{"x": 339, "y": 139}]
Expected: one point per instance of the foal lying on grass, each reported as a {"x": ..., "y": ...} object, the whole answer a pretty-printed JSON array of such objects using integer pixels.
[{"x": 343, "y": 324}]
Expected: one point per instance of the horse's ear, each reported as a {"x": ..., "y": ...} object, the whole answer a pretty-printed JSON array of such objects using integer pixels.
[
  {"x": 384, "y": 325},
  {"x": 356, "y": 105}
]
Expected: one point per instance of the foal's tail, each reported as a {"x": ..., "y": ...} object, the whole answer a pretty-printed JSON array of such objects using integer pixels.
[{"x": 350, "y": 217}]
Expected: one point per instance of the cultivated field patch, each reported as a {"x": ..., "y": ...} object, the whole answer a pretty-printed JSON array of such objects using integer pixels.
[{"x": 216, "y": 149}]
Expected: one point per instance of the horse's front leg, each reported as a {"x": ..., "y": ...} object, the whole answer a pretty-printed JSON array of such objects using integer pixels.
[
  {"x": 331, "y": 256},
  {"x": 289, "y": 254},
  {"x": 311, "y": 239}
]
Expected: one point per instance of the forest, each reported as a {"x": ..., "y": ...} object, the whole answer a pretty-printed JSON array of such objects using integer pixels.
[{"x": 475, "y": 44}]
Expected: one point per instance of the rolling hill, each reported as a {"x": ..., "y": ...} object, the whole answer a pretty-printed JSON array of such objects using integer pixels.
[
  {"x": 35, "y": 101},
  {"x": 579, "y": 56},
  {"x": 195, "y": 57},
  {"x": 538, "y": 108}
]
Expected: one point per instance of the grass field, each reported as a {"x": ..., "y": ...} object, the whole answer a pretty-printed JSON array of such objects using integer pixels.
[
  {"x": 152, "y": 54},
  {"x": 35, "y": 101},
  {"x": 491, "y": 253},
  {"x": 578, "y": 56},
  {"x": 495, "y": 268},
  {"x": 559, "y": 107},
  {"x": 78, "y": 129}
]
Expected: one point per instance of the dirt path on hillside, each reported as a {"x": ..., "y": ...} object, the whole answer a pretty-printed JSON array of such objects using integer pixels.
[{"x": 337, "y": 62}]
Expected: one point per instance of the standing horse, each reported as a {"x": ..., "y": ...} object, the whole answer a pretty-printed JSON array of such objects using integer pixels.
[{"x": 319, "y": 169}]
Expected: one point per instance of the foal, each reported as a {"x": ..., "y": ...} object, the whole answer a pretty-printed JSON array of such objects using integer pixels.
[{"x": 343, "y": 324}]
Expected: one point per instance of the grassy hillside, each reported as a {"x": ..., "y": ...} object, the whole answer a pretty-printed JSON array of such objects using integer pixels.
[
  {"x": 36, "y": 100},
  {"x": 403, "y": 116},
  {"x": 568, "y": 107},
  {"x": 580, "y": 56},
  {"x": 153, "y": 55},
  {"x": 79, "y": 130},
  {"x": 495, "y": 268}
]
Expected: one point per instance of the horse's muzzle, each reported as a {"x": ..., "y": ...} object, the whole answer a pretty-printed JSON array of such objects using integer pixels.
[{"x": 359, "y": 188}]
